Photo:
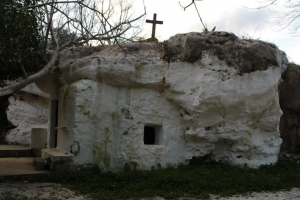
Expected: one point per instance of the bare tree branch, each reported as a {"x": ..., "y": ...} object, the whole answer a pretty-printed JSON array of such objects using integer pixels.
[
  {"x": 289, "y": 15},
  {"x": 193, "y": 2},
  {"x": 185, "y": 7},
  {"x": 49, "y": 3},
  {"x": 86, "y": 21},
  {"x": 22, "y": 67},
  {"x": 22, "y": 83},
  {"x": 268, "y": 3}
]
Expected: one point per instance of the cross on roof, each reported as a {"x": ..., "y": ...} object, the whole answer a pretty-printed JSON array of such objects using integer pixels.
[{"x": 154, "y": 22}]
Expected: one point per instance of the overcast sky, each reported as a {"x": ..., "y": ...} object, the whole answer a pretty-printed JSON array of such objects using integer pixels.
[{"x": 226, "y": 15}]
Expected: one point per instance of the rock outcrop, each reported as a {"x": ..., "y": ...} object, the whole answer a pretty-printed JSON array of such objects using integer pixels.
[
  {"x": 244, "y": 56},
  {"x": 26, "y": 109},
  {"x": 290, "y": 105},
  {"x": 150, "y": 104}
]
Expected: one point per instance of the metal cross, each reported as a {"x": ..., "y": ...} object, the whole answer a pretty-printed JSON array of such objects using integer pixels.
[{"x": 154, "y": 22}]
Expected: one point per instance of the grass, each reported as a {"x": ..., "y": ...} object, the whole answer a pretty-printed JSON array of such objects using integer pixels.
[{"x": 193, "y": 181}]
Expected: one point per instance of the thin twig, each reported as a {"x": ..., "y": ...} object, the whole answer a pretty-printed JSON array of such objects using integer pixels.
[
  {"x": 185, "y": 7},
  {"x": 267, "y": 5},
  {"x": 129, "y": 52},
  {"x": 193, "y": 2},
  {"x": 205, "y": 28},
  {"x": 49, "y": 4}
]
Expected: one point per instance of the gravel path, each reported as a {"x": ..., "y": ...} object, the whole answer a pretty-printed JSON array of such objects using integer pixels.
[
  {"x": 36, "y": 191},
  {"x": 40, "y": 191},
  {"x": 294, "y": 194}
]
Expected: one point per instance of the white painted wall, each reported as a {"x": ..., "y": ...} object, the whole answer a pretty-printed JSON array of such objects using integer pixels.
[{"x": 204, "y": 108}]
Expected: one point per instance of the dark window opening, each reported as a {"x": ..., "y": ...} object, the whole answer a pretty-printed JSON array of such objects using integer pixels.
[{"x": 149, "y": 135}]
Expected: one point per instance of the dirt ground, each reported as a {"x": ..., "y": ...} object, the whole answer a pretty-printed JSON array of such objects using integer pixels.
[
  {"x": 52, "y": 191},
  {"x": 37, "y": 191},
  {"x": 294, "y": 194}
]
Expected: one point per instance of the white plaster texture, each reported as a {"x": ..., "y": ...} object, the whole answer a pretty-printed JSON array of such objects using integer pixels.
[
  {"x": 25, "y": 111},
  {"x": 204, "y": 108}
]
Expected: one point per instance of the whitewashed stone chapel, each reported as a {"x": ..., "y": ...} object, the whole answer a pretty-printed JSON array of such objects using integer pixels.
[{"x": 148, "y": 104}]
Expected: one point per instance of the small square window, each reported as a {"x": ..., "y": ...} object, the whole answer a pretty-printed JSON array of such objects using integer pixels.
[{"x": 153, "y": 135}]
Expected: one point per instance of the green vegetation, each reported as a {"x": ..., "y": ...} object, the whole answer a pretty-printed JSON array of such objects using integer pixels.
[
  {"x": 21, "y": 41},
  {"x": 193, "y": 181},
  {"x": 247, "y": 37}
]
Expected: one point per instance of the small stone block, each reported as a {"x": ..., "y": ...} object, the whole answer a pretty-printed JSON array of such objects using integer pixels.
[{"x": 39, "y": 137}]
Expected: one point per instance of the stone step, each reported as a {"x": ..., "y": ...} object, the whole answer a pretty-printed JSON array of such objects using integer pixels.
[
  {"x": 10, "y": 151},
  {"x": 39, "y": 163},
  {"x": 57, "y": 159},
  {"x": 19, "y": 167}
]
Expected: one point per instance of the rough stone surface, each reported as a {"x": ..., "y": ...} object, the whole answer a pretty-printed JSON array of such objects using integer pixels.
[
  {"x": 209, "y": 95},
  {"x": 290, "y": 105},
  {"x": 243, "y": 55},
  {"x": 25, "y": 110}
]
